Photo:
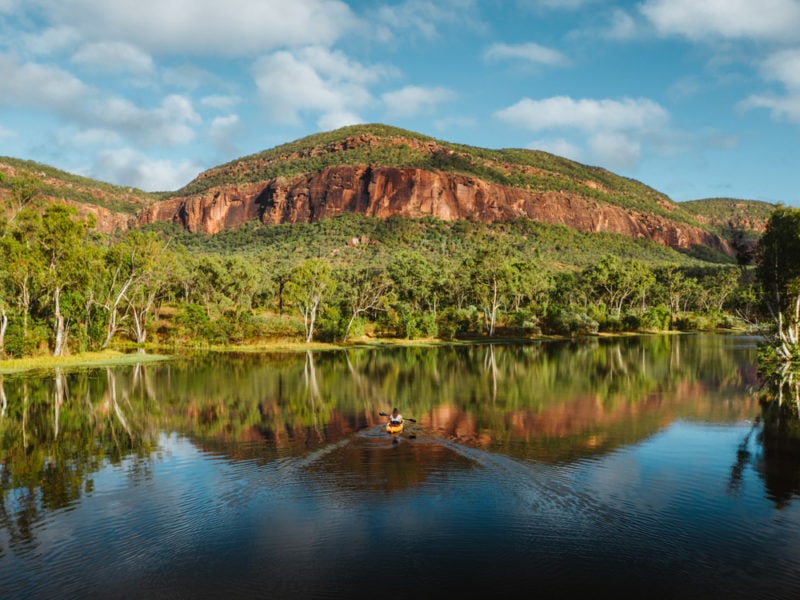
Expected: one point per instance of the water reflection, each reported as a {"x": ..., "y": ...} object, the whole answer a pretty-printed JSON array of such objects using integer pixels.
[
  {"x": 554, "y": 403},
  {"x": 778, "y": 463}
]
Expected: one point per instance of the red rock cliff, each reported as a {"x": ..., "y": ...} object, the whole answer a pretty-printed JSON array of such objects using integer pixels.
[{"x": 386, "y": 191}]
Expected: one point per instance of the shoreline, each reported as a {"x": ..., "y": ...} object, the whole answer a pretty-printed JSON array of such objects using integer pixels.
[{"x": 160, "y": 353}]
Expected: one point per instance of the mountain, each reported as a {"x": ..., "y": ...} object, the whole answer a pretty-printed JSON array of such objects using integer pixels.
[
  {"x": 731, "y": 217},
  {"x": 113, "y": 207},
  {"x": 382, "y": 171}
]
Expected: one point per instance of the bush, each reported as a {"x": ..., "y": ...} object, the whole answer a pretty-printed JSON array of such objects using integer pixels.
[{"x": 566, "y": 321}]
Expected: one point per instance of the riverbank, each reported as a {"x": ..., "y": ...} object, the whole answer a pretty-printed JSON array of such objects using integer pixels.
[
  {"x": 83, "y": 359},
  {"x": 158, "y": 353}
]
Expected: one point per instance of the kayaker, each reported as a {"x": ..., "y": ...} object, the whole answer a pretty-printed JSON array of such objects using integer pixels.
[{"x": 395, "y": 418}]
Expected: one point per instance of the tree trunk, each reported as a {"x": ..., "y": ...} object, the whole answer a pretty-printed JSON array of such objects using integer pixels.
[
  {"x": 3, "y": 327},
  {"x": 61, "y": 334}
]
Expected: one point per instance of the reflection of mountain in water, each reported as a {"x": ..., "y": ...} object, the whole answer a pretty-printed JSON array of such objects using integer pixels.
[{"x": 549, "y": 402}]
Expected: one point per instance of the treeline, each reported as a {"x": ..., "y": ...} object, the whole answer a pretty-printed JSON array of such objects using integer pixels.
[{"x": 66, "y": 288}]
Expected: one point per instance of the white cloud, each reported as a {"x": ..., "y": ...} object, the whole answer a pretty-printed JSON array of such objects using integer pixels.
[
  {"x": 203, "y": 27},
  {"x": 32, "y": 84},
  {"x": 61, "y": 93},
  {"x": 413, "y": 99},
  {"x": 622, "y": 26},
  {"x": 730, "y": 19},
  {"x": 557, "y": 146},
  {"x": 52, "y": 40},
  {"x": 616, "y": 149},
  {"x": 313, "y": 80},
  {"x": 336, "y": 119},
  {"x": 782, "y": 107},
  {"x": 613, "y": 129},
  {"x": 530, "y": 52},
  {"x": 585, "y": 114},
  {"x": 113, "y": 57},
  {"x": 128, "y": 167},
  {"x": 783, "y": 67}
]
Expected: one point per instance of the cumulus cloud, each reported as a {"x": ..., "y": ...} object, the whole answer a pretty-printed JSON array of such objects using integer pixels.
[
  {"x": 52, "y": 40},
  {"x": 203, "y": 27},
  {"x": 113, "y": 57},
  {"x": 729, "y": 19},
  {"x": 612, "y": 128},
  {"x": 557, "y": 146},
  {"x": 63, "y": 94},
  {"x": 585, "y": 114},
  {"x": 129, "y": 167},
  {"x": 413, "y": 99},
  {"x": 782, "y": 67},
  {"x": 530, "y": 52},
  {"x": 314, "y": 80}
]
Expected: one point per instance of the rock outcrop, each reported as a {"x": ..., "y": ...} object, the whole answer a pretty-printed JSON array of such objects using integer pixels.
[{"x": 409, "y": 192}]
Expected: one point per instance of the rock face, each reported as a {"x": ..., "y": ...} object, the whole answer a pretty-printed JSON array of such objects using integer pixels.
[{"x": 386, "y": 191}]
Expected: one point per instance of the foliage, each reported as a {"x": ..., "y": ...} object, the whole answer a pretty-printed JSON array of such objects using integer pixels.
[{"x": 778, "y": 273}]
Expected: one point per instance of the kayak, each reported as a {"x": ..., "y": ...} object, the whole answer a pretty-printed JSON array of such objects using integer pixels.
[{"x": 394, "y": 427}]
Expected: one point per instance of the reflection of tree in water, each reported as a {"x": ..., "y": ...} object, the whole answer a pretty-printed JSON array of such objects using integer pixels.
[
  {"x": 56, "y": 432},
  {"x": 779, "y": 463}
]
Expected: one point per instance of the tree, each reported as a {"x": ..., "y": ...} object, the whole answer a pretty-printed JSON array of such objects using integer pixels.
[
  {"x": 62, "y": 243},
  {"x": 365, "y": 289},
  {"x": 778, "y": 273},
  {"x": 309, "y": 284},
  {"x": 493, "y": 276},
  {"x": 130, "y": 264},
  {"x": 613, "y": 281}
]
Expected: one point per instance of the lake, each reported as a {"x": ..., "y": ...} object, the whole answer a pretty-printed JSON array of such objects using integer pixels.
[{"x": 632, "y": 467}]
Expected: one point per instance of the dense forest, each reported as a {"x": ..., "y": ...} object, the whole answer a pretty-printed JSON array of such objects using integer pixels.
[{"x": 66, "y": 288}]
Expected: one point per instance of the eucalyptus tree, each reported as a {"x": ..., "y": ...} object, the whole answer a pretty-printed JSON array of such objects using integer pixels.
[
  {"x": 62, "y": 242},
  {"x": 158, "y": 269},
  {"x": 612, "y": 281},
  {"x": 364, "y": 290},
  {"x": 493, "y": 276},
  {"x": 310, "y": 283},
  {"x": 22, "y": 264},
  {"x": 129, "y": 265},
  {"x": 778, "y": 273}
]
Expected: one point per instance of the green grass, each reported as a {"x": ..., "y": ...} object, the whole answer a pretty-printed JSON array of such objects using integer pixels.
[{"x": 107, "y": 357}]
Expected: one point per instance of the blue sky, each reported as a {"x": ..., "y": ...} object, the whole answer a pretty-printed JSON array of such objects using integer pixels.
[{"x": 695, "y": 98}]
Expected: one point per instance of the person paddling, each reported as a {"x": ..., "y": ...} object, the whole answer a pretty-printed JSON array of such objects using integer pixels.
[{"x": 395, "y": 418}]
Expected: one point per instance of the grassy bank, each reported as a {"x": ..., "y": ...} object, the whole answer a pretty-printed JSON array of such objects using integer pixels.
[{"x": 95, "y": 359}]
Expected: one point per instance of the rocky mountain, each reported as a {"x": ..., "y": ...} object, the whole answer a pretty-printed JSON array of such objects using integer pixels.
[
  {"x": 113, "y": 207},
  {"x": 381, "y": 171}
]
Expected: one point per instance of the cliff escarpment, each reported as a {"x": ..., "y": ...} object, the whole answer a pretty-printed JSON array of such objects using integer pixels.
[{"x": 385, "y": 191}]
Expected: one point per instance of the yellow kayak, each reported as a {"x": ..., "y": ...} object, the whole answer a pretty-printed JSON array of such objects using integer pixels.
[{"x": 394, "y": 427}]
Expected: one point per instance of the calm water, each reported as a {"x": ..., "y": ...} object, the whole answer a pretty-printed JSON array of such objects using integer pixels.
[{"x": 633, "y": 468}]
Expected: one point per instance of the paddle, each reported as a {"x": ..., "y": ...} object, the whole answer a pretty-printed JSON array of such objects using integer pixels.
[{"x": 383, "y": 414}]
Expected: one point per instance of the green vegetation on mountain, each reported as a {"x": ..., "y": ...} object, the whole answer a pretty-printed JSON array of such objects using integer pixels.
[
  {"x": 731, "y": 218},
  {"x": 56, "y": 184}
]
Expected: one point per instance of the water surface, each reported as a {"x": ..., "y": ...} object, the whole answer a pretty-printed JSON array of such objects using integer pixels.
[{"x": 633, "y": 468}]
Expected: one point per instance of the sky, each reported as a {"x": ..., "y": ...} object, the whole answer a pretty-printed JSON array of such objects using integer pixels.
[{"x": 697, "y": 99}]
